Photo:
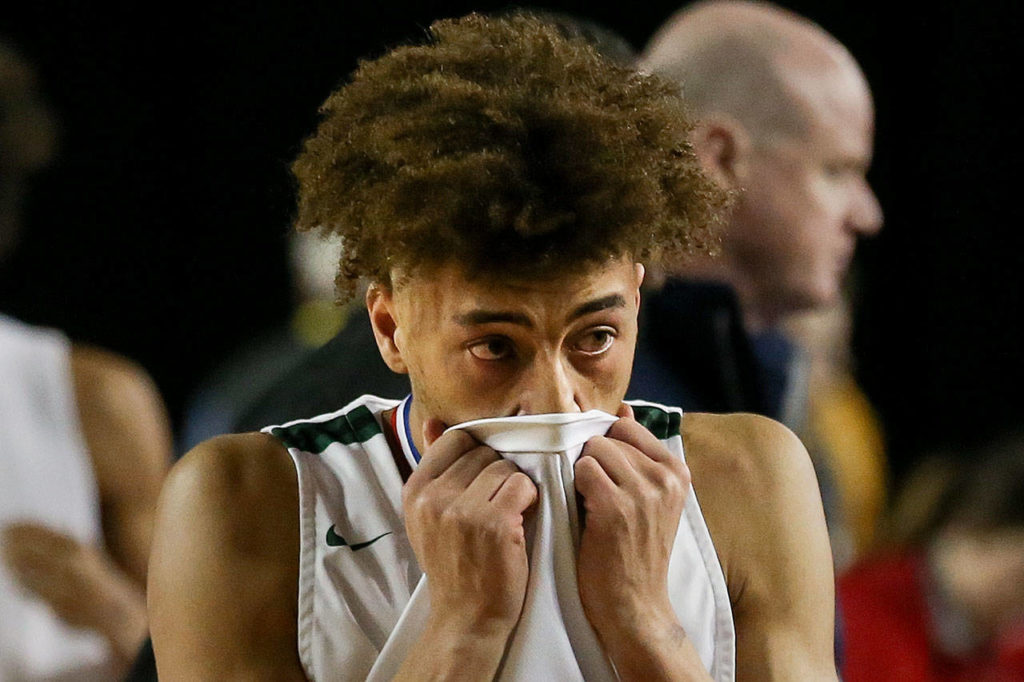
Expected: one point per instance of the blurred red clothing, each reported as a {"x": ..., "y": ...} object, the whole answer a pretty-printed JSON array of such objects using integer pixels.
[{"x": 887, "y": 630}]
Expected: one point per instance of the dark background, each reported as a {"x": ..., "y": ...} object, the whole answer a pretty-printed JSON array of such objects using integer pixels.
[{"x": 159, "y": 232}]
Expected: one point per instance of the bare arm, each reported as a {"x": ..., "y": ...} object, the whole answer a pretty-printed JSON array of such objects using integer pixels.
[
  {"x": 128, "y": 437},
  {"x": 760, "y": 498},
  {"x": 223, "y": 576}
]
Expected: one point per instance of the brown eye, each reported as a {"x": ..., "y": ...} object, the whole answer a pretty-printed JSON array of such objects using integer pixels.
[
  {"x": 494, "y": 348},
  {"x": 596, "y": 341}
]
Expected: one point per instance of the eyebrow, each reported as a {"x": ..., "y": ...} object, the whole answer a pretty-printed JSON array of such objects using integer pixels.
[
  {"x": 599, "y": 304},
  {"x": 478, "y": 317},
  {"x": 475, "y": 317}
]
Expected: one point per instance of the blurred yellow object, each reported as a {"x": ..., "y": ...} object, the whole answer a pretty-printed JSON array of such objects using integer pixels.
[
  {"x": 846, "y": 432},
  {"x": 317, "y": 321}
]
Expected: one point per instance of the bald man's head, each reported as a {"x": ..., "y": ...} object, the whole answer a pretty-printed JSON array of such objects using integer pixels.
[
  {"x": 784, "y": 115},
  {"x": 745, "y": 59}
]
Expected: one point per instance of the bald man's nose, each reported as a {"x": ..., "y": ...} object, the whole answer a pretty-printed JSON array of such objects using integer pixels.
[
  {"x": 548, "y": 388},
  {"x": 865, "y": 212}
]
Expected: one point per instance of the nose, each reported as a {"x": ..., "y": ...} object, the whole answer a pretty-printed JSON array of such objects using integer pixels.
[
  {"x": 548, "y": 386},
  {"x": 865, "y": 217}
]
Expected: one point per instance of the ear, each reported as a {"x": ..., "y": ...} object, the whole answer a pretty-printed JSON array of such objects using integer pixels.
[
  {"x": 380, "y": 303},
  {"x": 723, "y": 146},
  {"x": 640, "y": 272}
]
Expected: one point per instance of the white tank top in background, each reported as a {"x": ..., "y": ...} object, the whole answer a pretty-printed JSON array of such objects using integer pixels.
[
  {"x": 358, "y": 572},
  {"x": 46, "y": 477}
]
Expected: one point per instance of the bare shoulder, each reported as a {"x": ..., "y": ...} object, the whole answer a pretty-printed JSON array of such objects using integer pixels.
[
  {"x": 223, "y": 575},
  {"x": 745, "y": 450},
  {"x": 237, "y": 468},
  {"x": 750, "y": 474},
  {"x": 759, "y": 495},
  {"x": 120, "y": 410},
  {"x": 111, "y": 379},
  {"x": 241, "y": 489}
]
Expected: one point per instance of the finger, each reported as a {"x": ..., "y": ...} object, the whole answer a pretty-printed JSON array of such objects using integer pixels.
[
  {"x": 650, "y": 458},
  {"x": 43, "y": 579},
  {"x": 31, "y": 549},
  {"x": 592, "y": 481},
  {"x": 611, "y": 456},
  {"x": 443, "y": 452},
  {"x": 489, "y": 481},
  {"x": 625, "y": 411},
  {"x": 28, "y": 558},
  {"x": 466, "y": 468},
  {"x": 516, "y": 494},
  {"x": 40, "y": 536},
  {"x": 632, "y": 432}
]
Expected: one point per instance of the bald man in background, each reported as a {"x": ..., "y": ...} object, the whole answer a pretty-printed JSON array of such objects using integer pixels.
[{"x": 786, "y": 121}]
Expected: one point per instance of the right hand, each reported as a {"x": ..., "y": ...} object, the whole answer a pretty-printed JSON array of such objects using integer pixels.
[
  {"x": 80, "y": 582},
  {"x": 464, "y": 509}
]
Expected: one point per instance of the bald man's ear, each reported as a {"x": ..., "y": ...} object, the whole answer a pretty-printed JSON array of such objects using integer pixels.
[
  {"x": 380, "y": 303},
  {"x": 723, "y": 147}
]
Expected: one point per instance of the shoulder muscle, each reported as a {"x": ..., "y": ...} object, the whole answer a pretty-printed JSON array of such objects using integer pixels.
[{"x": 224, "y": 570}]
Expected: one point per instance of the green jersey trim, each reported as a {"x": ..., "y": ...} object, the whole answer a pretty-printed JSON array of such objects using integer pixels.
[
  {"x": 358, "y": 425},
  {"x": 662, "y": 423}
]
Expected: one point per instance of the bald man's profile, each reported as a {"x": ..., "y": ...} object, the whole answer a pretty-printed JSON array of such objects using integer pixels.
[{"x": 785, "y": 120}]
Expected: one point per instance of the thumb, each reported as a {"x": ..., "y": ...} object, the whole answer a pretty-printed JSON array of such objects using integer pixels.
[{"x": 625, "y": 411}]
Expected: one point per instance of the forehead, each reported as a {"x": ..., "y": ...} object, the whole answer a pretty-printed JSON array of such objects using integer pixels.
[
  {"x": 835, "y": 103},
  {"x": 447, "y": 291}
]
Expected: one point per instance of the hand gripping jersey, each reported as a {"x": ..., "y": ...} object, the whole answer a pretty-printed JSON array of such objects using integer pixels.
[{"x": 358, "y": 573}]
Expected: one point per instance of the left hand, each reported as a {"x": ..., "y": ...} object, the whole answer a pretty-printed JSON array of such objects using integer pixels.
[{"x": 634, "y": 490}]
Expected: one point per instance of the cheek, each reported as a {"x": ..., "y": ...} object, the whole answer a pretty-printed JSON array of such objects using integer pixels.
[
  {"x": 603, "y": 383},
  {"x": 772, "y": 208}
]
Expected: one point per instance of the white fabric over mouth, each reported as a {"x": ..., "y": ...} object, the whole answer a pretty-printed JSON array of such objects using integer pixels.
[{"x": 553, "y": 639}]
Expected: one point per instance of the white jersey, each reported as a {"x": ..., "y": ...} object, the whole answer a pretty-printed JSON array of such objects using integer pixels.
[
  {"x": 358, "y": 571},
  {"x": 46, "y": 477}
]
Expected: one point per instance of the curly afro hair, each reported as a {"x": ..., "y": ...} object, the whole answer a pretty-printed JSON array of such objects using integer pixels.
[{"x": 506, "y": 148}]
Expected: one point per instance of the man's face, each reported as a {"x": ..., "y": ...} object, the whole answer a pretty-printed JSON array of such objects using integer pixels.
[
  {"x": 805, "y": 198},
  {"x": 478, "y": 348}
]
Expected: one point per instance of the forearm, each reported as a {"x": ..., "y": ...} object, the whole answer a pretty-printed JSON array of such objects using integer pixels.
[{"x": 449, "y": 652}]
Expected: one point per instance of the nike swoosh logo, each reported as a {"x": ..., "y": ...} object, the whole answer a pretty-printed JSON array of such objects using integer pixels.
[{"x": 335, "y": 540}]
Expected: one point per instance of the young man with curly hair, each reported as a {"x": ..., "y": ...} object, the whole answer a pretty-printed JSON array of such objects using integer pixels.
[{"x": 501, "y": 189}]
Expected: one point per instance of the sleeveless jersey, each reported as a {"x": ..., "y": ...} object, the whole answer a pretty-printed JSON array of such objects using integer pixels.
[
  {"x": 357, "y": 570},
  {"x": 45, "y": 477}
]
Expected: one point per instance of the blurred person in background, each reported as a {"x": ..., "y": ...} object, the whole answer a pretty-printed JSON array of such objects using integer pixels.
[
  {"x": 841, "y": 430},
  {"x": 945, "y": 601},
  {"x": 84, "y": 448},
  {"x": 785, "y": 120}
]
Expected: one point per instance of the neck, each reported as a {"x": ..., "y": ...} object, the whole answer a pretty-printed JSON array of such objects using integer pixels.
[
  {"x": 416, "y": 420},
  {"x": 756, "y": 317}
]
